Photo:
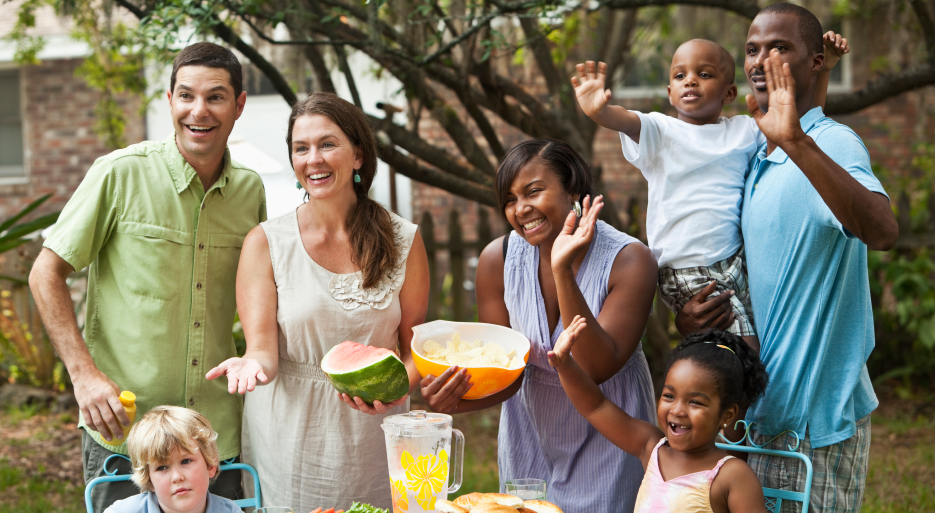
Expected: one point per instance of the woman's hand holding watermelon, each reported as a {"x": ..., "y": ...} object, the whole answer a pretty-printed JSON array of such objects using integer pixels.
[
  {"x": 376, "y": 408},
  {"x": 242, "y": 374}
]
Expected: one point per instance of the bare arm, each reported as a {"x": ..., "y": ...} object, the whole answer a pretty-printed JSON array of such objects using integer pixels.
[
  {"x": 256, "y": 303},
  {"x": 634, "y": 436},
  {"x": 835, "y": 48},
  {"x": 864, "y": 213},
  {"x": 595, "y": 101},
  {"x": 736, "y": 488},
  {"x": 96, "y": 394},
  {"x": 608, "y": 340}
]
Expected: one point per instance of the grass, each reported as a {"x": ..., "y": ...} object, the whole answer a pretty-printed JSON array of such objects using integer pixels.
[
  {"x": 36, "y": 494},
  {"x": 40, "y": 458},
  {"x": 902, "y": 458}
]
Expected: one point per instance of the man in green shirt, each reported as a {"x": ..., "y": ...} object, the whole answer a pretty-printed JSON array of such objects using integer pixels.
[{"x": 161, "y": 225}]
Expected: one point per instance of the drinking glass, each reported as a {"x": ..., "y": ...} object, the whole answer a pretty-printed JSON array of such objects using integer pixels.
[
  {"x": 275, "y": 509},
  {"x": 526, "y": 488}
]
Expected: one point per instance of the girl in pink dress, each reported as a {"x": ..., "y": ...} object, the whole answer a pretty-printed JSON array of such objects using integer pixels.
[{"x": 711, "y": 377}]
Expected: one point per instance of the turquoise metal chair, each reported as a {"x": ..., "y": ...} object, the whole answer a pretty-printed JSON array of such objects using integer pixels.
[
  {"x": 774, "y": 497},
  {"x": 226, "y": 465}
]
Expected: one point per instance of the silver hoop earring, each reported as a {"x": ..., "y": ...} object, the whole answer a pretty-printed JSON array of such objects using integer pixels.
[{"x": 577, "y": 209}]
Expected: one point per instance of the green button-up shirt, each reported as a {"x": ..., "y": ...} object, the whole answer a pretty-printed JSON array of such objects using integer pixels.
[{"x": 163, "y": 254}]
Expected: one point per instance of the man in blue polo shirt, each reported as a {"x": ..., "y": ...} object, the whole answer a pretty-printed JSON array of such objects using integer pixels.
[{"x": 811, "y": 208}]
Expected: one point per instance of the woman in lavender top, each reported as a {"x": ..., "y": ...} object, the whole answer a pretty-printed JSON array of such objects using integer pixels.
[{"x": 560, "y": 262}]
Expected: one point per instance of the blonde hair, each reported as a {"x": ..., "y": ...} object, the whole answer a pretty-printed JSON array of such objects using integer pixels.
[{"x": 163, "y": 430}]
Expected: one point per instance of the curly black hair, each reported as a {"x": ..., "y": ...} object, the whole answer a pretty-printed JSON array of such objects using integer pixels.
[{"x": 739, "y": 374}]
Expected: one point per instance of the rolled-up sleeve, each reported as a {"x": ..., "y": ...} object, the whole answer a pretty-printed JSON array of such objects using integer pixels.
[{"x": 88, "y": 218}]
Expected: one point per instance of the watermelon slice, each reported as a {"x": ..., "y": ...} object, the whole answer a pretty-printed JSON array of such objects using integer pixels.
[{"x": 371, "y": 373}]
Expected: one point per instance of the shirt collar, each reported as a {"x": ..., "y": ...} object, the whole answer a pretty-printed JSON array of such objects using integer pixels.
[
  {"x": 778, "y": 156},
  {"x": 183, "y": 173}
]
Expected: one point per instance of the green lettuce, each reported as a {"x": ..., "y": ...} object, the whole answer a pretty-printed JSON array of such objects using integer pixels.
[{"x": 358, "y": 507}]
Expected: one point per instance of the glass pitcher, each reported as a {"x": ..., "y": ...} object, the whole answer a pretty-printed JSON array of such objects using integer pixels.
[{"x": 418, "y": 448}]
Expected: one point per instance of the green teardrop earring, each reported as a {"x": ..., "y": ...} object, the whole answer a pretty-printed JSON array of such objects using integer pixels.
[
  {"x": 298, "y": 185},
  {"x": 356, "y": 176}
]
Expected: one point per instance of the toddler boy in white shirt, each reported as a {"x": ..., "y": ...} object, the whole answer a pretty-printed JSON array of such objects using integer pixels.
[{"x": 695, "y": 165}]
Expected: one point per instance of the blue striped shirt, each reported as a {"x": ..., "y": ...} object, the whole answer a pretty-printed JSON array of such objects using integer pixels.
[{"x": 541, "y": 434}]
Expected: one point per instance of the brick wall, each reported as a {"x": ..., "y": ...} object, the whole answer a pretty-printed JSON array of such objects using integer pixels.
[{"x": 59, "y": 134}]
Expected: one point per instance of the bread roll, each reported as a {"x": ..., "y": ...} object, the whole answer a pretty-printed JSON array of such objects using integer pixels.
[
  {"x": 469, "y": 499},
  {"x": 542, "y": 506},
  {"x": 493, "y": 507},
  {"x": 475, "y": 499},
  {"x": 449, "y": 507}
]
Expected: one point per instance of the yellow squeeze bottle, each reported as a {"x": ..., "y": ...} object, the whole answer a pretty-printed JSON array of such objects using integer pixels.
[{"x": 128, "y": 400}]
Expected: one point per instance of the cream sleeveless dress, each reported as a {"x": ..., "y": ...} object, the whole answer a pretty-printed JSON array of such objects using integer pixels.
[{"x": 309, "y": 448}]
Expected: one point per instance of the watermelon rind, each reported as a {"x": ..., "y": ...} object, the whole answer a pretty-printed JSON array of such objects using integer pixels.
[{"x": 385, "y": 380}]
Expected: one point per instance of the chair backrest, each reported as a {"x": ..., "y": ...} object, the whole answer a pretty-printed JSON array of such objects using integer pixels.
[
  {"x": 227, "y": 465},
  {"x": 774, "y": 497}
]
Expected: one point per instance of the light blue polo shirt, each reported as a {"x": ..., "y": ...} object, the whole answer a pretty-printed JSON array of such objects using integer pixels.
[{"x": 810, "y": 292}]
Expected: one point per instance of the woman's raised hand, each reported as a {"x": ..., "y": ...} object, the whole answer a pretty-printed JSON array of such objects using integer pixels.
[
  {"x": 376, "y": 408},
  {"x": 571, "y": 241},
  {"x": 242, "y": 374},
  {"x": 444, "y": 392}
]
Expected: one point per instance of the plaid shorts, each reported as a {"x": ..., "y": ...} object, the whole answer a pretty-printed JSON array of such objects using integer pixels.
[
  {"x": 677, "y": 286},
  {"x": 839, "y": 471}
]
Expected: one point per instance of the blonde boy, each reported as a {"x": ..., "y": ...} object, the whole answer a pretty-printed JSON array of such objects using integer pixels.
[{"x": 175, "y": 457}]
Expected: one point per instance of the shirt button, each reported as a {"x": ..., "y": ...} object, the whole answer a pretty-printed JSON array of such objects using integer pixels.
[
  {"x": 197, "y": 324},
  {"x": 202, "y": 206},
  {"x": 191, "y": 402},
  {"x": 201, "y": 246},
  {"x": 756, "y": 185},
  {"x": 198, "y": 286},
  {"x": 195, "y": 362}
]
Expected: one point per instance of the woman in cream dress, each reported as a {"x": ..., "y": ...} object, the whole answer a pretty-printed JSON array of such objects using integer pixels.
[{"x": 340, "y": 267}]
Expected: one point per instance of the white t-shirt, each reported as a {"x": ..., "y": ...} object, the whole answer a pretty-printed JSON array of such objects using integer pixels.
[{"x": 696, "y": 175}]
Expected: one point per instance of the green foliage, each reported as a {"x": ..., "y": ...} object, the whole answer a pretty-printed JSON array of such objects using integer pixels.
[
  {"x": 13, "y": 235},
  {"x": 118, "y": 55},
  {"x": 564, "y": 37},
  {"x": 902, "y": 283},
  {"x": 27, "y": 46}
]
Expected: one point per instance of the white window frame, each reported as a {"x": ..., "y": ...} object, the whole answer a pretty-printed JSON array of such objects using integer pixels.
[{"x": 22, "y": 178}]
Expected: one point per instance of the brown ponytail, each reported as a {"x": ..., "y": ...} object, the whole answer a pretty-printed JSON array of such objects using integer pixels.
[{"x": 373, "y": 243}]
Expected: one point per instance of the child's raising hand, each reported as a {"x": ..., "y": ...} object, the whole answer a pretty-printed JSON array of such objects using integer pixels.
[
  {"x": 589, "y": 87},
  {"x": 835, "y": 48},
  {"x": 561, "y": 354}
]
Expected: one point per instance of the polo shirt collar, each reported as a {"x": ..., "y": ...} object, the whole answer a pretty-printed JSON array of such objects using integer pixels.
[
  {"x": 778, "y": 156},
  {"x": 183, "y": 173}
]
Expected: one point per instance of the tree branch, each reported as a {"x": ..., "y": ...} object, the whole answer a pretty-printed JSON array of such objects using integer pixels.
[
  {"x": 415, "y": 145},
  {"x": 226, "y": 34},
  {"x": 322, "y": 74},
  {"x": 348, "y": 75},
  {"x": 928, "y": 26},
  {"x": 746, "y": 8},
  {"x": 410, "y": 167},
  {"x": 882, "y": 88}
]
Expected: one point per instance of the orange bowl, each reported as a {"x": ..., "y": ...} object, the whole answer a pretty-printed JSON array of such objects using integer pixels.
[{"x": 487, "y": 380}]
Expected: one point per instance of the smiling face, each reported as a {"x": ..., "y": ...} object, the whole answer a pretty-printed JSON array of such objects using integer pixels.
[
  {"x": 701, "y": 81},
  {"x": 204, "y": 109},
  {"x": 323, "y": 158},
  {"x": 689, "y": 410},
  {"x": 780, "y": 31},
  {"x": 537, "y": 203},
  {"x": 181, "y": 483}
]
